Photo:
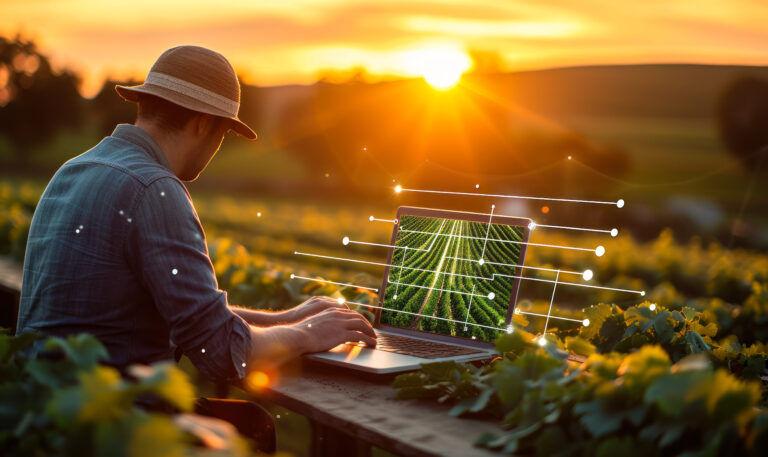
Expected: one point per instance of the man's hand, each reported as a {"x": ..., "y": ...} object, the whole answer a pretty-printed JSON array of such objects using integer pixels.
[
  {"x": 310, "y": 307},
  {"x": 335, "y": 326}
]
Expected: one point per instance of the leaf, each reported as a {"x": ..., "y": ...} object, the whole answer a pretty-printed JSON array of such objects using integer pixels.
[
  {"x": 171, "y": 384},
  {"x": 156, "y": 437},
  {"x": 595, "y": 419},
  {"x": 695, "y": 343},
  {"x": 83, "y": 350}
]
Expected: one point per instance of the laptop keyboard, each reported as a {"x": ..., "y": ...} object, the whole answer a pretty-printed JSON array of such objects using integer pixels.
[{"x": 419, "y": 348}]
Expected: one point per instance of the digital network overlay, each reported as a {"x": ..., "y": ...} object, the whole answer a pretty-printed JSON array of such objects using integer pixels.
[{"x": 454, "y": 277}]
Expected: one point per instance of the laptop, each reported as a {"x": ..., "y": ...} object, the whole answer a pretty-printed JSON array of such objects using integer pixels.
[{"x": 449, "y": 290}]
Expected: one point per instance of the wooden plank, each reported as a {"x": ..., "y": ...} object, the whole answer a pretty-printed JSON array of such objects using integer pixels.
[
  {"x": 10, "y": 274},
  {"x": 10, "y": 291},
  {"x": 365, "y": 408}
]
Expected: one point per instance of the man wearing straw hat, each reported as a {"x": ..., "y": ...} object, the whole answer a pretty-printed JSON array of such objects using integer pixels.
[{"x": 116, "y": 249}]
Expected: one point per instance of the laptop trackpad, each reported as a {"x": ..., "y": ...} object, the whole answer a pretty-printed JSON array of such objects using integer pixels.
[{"x": 348, "y": 354}]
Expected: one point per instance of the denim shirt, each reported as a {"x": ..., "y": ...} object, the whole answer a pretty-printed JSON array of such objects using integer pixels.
[{"x": 116, "y": 249}]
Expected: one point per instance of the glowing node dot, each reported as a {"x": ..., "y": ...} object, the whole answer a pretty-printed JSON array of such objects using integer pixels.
[
  {"x": 614, "y": 232},
  {"x": 545, "y": 209},
  {"x": 202, "y": 350},
  {"x": 81, "y": 227},
  {"x": 121, "y": 212},
  {"x": 491, "y": 296},
  {"x": 477, "y": 186},
  {"x": 493, "y": 206},
  {"x": 398, "y": 188},
  {"x": 620, "y": 203},
  {"x": 652, "y": 307},
  {"x": 174, "y": 271},
  {"x": 517, "y": 310},
  {"x": 162, "y": 194},
  {"x": 345, "y": 241},
  {"x": 327, "y": 175},
  {"x": 243, "y": 364},
  {"x": 585, "y": 322},
  {"x": 642, "y": 293},
  {"x": 599, "y": 251},
  {"x": 510, "y": 329},
  {"x": 542, "y": 341},
  {"x": 474, "y": 337},
  {"x": 587, "y": 275},
  {"x": 293, "y": 275},
  {"x": 340, "y": 300},
  {"x": 481, "y": 261},
  {"x": 532, "y": 225},
  {"x": 370, "y": 218},
  {"x": 365, "y": 149},
  {"x": 278, "y": 416},
  {"x": 394, "y": 297},
  {"x": 77, "y": 230},
  {"x": 569, "y": 157},
  {"x": 309, "y": 325},
  {"x": 130, "y": 220},
  {"x": 258, "y": 214}
]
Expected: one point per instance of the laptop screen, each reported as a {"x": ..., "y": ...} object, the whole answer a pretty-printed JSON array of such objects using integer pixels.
[{"x": 452, "y": 277}]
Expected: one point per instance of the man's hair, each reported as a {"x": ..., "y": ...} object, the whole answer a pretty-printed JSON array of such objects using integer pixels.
[{"x": 167, "y": 115}]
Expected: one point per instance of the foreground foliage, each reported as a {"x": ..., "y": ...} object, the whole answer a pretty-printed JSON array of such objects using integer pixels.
[
  {"x": 76, "y": 407},
  {"x": 611, "y": 404}
]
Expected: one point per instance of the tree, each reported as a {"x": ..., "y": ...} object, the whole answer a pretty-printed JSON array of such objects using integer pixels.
[
  {"x": 35, "y": 101},
  {"x": 742, "y": 114}
]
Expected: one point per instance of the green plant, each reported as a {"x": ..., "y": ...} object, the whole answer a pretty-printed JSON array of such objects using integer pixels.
[{"x": 75, "y": 406}]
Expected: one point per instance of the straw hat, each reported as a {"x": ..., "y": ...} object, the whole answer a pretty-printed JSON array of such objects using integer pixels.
[{"x": 196, "y": 78}]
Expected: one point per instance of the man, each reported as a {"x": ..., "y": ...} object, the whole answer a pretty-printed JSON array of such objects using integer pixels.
[{"x": 116, "y": 249}]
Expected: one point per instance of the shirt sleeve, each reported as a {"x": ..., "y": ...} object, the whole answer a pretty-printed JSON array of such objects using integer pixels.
[{"x": 169, "y": 255}]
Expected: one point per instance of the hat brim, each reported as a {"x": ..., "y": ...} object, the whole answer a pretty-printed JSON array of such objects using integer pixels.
[{"x": 132, "y": 94}]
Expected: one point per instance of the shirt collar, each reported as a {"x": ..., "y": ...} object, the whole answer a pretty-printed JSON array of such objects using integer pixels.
[{"x": 139, "y": 137}]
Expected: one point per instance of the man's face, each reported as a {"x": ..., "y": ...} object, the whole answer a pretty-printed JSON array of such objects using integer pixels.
[{"x": 207, "y": 145}]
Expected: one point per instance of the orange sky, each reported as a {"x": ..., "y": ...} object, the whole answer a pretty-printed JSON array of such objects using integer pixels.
[{"x": 282, "y": 41}]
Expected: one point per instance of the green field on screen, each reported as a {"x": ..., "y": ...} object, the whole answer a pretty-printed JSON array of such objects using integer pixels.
[{"x": 437, "y": 277}]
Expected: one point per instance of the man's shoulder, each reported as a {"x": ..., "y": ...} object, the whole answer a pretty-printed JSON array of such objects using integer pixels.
[{"x": 116, "y": 156}]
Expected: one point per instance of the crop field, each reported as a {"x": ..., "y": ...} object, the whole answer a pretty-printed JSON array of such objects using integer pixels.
[{"x": 438, "y": 284}]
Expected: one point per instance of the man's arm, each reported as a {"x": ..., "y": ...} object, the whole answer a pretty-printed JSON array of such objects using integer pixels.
[
  {"x": 320, "y": 332},
  {"x": 167, "y": 249},
  {"x": 310, "y": 307}
]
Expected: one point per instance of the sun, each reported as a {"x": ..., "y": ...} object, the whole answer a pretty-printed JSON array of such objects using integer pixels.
[{"x": 441, "y": 68}]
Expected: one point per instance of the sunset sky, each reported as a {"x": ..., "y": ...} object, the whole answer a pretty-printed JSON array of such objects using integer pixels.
[{"x": 279, "y": 42}]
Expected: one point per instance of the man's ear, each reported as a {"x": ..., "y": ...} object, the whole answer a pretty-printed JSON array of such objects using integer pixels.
[{"x": 202, "y": 124}]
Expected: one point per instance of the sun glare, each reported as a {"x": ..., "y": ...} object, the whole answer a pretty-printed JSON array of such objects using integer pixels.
[{"x": 441, "y": 68}]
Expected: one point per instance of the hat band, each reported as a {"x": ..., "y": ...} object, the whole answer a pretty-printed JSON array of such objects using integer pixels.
[{"x": 193, "y": 90}]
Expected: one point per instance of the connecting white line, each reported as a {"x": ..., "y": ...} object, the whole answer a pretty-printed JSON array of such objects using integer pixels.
[
  {"x": 551, "y": 301},
  {"x": 613, "y": 232},
  {"x": 397, "y": 287},
  {"x": 579, "y": 273},
  {"x": 490, "y": 296},
  {"x": 487, "y": 231},
  {"x": 599, "y": 251},
  {"x": 391, "y": 221},
  {"x": 422, "y": 315},
  {"x": 640, "y": 292},
  {"x": 619, "y": 203},
  {"x": 517, "y": 311},
  {"x": 469, "y": 308},
  {"x": 293, "y": 276},
  {"x": 345, "y": 241}
]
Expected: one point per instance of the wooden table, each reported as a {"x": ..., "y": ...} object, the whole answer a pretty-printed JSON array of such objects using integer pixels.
[
  {"x": 10, "y": 290},
  {"x": 350, "y": 412}
]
